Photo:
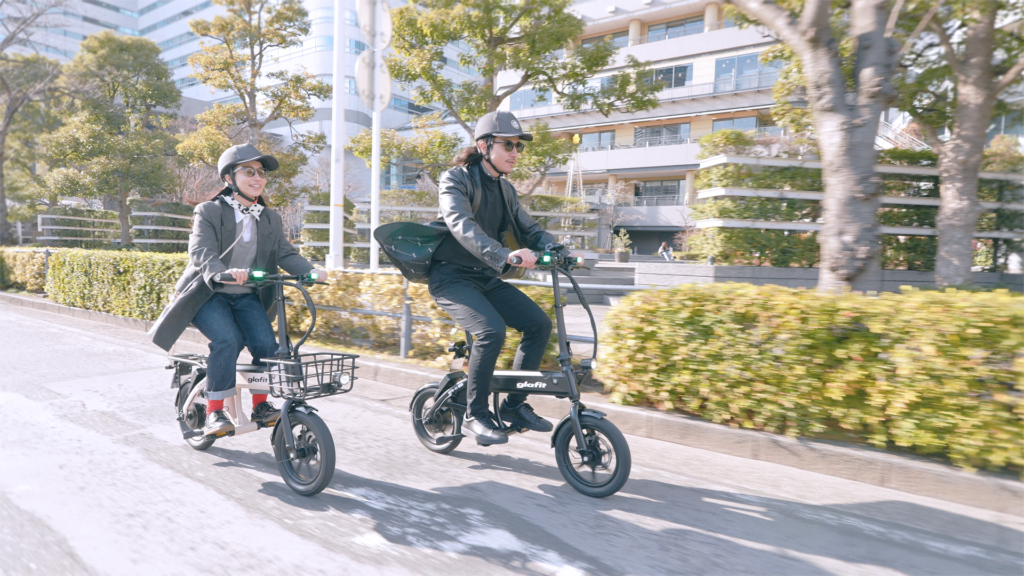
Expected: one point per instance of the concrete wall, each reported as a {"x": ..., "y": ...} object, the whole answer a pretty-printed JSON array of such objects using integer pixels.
[{"x": 672, "y": 274}]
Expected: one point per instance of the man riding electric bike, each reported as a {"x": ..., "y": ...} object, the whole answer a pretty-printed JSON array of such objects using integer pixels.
[{"x": 482, "y": 214}]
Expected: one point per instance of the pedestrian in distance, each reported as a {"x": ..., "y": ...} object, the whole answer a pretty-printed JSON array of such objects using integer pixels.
[{"x": 665, "y": 251}]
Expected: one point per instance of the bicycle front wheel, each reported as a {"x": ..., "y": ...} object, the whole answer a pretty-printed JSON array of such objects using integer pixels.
[
  {"x": 603, "y": 466},
  {"x": 312, "y": 468}
]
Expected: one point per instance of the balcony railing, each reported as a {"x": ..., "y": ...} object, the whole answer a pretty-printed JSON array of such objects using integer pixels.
[
  {"x": 758, "y": 81},
  {"x": 682, "y": 31},
  {"x": 663, "y": 200},
  {"x": 653, "y": 141}
]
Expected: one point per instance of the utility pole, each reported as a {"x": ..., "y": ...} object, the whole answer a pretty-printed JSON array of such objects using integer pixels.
[
  {"x": 374, "y": 83},
  {"x": 336, "y": 249}
]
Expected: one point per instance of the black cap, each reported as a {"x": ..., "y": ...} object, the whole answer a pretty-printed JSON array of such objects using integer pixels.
[
  {"x": 500, "y": 123},
  {"x": 244, "y": 153}
]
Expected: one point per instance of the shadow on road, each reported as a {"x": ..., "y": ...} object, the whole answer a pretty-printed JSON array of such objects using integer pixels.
[{"x": 655, "y": 527}]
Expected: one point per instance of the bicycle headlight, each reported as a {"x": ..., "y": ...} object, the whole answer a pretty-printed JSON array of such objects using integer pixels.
[
  {"x": 588, "y": 364},
  {"x": 341, "y": 378}
]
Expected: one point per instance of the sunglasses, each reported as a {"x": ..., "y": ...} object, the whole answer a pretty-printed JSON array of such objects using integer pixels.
[
  {"x": 252, "y": 172},
  {"x": 510, "y": 145}
]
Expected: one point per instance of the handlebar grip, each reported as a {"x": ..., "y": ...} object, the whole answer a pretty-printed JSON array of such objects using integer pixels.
[
  {"x": 223, "y": 277},
  {"x": 515, "y": 260}
]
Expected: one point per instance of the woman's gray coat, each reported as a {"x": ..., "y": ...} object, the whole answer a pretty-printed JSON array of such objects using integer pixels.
[{"x": 213, "y": 231}]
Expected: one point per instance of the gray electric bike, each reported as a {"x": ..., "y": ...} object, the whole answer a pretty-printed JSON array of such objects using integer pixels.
[
  {"x": 302, "y": 443},
  {"x": 591, "y": 452}
]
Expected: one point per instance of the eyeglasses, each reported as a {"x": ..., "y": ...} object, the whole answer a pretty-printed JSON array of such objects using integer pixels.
[
  {"x": 252, "y": 172},
  {"x": 510, "y": 145}
]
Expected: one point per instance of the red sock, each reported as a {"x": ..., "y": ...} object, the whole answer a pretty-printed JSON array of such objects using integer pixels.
[
  {"x": 258, "y": 399},
  {"x": 212, "y": 405}
]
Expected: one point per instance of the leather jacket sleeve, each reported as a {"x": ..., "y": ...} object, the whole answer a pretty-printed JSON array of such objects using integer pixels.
[
  {"x": 531, "y": 233},
  {"x": 457, "y": 212}
]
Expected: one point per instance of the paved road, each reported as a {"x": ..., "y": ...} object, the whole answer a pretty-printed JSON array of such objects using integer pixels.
[{"x": 95, "y": 479}]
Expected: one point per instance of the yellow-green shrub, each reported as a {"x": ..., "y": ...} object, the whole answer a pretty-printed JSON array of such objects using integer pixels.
[
  {"x": 937, "y": 372},
  {"x": 23, "y": 268},
  {"x": 132, "y": 284}
]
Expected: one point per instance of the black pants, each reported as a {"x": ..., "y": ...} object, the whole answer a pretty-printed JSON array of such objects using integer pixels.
[{"x": 484, "y": 305}]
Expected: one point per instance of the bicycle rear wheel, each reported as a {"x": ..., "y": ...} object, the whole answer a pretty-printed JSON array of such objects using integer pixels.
[{"x": 312, "y": 468}]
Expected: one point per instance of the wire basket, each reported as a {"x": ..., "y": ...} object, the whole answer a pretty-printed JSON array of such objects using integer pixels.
[{"x": 311, "y": 375}]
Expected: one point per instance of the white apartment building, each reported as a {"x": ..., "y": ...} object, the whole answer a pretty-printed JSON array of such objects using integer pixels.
[{"x": 714, "y": 80}]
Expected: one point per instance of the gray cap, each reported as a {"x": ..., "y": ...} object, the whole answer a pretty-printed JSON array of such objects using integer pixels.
[
  {"x": 244, "y": 153},
  {"x": 500, "y": 123}
]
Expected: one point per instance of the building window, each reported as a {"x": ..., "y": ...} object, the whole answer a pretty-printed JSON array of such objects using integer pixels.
[
  {"x": 746, "y": 124},
  {"x": 351, "y": 18},
  {"x": 669, "y": 30},
  {"x": 350, "y": 86},
  {"x": 745, "y": 72},
  {"x": 672, "y": 76},
  {"x": 657, "y": 188},
  {"x": 530, "y": 98},
  {"x": 665, "y": 135},
  {"x": 619, "y": 39},
  {"x": 403, "y": 105},
  {"x": 597, "y": 141},
  {"x": 354, "y": 46}
]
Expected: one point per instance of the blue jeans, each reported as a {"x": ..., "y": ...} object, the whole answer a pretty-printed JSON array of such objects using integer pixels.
[{"x": 233, "y": 322}]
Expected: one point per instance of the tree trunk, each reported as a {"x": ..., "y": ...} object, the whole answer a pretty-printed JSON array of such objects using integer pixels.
[
  {"x": 961, "y": 156},
  {"x": 849, "y": 237},
  {"x": 5, "y": 226},
  {"x": 124, "y": 217}
]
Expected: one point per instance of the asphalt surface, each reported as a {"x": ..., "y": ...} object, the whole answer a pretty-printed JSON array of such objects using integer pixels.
[{"x": 95, "y": 479}]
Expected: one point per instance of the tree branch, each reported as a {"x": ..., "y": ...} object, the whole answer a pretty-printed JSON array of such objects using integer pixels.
[
  {"x": 925, "y": 20},
  {"x": 893, "y": 16},
  {"x": 1009, "y": 78},
  {"x": 954, "y": 62},
  {"x": 774, "y": 17}
]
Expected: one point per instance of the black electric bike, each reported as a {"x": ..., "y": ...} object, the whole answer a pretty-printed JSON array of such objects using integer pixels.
[
  {"x": 591, "y": 452},
  {"x": 303, "y": 446}
]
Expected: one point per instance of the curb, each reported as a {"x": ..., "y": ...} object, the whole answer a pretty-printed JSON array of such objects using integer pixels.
[{"x": 905, "y": 473}]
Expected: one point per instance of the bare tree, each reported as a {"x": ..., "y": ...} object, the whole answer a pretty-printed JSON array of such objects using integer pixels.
[
  {"x": 22, "y": 21},
  {"x": 845, "y": 108}
]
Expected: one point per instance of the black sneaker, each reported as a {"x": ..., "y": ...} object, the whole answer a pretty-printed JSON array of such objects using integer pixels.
[
  {"x": 484, "y": 430},
  {"x": 265, "y": 412},
  {"x": 217, "y": 423},
  {"x": 523, "y": 416}
]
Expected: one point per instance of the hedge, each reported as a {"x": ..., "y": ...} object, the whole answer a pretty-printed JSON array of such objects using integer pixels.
[
  {"x": 23, "y": 268},
  {"x": 137, "y": 285},
  {"x": 125, "y": 283},
  {"x": 936, "y": 372}
]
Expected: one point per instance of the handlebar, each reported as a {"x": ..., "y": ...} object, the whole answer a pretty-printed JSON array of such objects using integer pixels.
[
  {"x": 257, "y": 276},
  {"x": 552, "y": 259}
]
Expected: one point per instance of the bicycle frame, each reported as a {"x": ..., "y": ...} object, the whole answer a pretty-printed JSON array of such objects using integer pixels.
[{"x": 563, "y": 383}]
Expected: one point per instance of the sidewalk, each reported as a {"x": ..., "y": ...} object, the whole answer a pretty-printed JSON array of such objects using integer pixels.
[{"x": 876, "y": 467}]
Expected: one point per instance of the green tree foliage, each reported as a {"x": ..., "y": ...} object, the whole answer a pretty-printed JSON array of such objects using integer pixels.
[
  {"x": 112, "y": 143},
  {"x": 533, "y": 39},
  {"x": 25, "y": 82},
  {"x": 955, "y": 75},
  {"x": 245, "y": 39}
]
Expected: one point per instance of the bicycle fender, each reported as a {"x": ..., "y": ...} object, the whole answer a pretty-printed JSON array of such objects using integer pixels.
[
  {"x": 305, "y": 408},
  {"x": 565, "y": 421},
  {"x": 422, "y": 388}
]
